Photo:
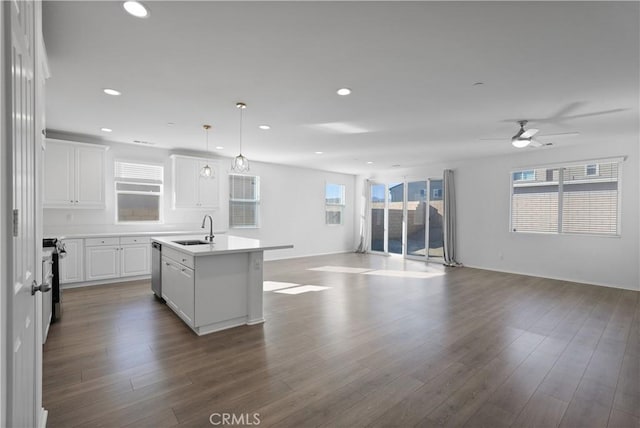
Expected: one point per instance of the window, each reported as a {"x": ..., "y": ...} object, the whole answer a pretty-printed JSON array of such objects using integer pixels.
[
  {"x": 138, "y": 190},
  {"x": 524, "y": 175},
  {"x": 244, "y": 201},
  {"x": 334, "y": 203},
  {"x": 569, "y": 199},
  {"x": 593, "y": 169},
  {"x": 436, "y": 194}
]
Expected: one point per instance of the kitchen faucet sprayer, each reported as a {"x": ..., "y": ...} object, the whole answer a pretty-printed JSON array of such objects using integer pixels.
[{"x": 204, "y": 221}]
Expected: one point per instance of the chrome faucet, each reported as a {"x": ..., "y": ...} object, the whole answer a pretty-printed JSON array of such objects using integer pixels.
[{"x": 204, "y": 221}]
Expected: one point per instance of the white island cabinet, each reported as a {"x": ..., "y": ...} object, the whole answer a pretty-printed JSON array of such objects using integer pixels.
[{"x": 213, "y": 287}]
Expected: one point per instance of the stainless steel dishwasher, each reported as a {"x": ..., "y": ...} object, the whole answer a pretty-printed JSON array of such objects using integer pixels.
[{"x": 156, "y": 269}]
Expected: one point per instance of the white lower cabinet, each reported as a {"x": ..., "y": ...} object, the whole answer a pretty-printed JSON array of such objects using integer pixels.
[
  {"x": 71, "y": 266},
  {"x": 114, "y": 257},
  {"x": 178, "y": 283},
  {"x": 135, "y": 259},
  {"x": 102, "y": 262}
]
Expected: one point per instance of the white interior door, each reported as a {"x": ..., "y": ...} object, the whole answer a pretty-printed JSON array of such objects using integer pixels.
[{"x": 22, "y": 342}]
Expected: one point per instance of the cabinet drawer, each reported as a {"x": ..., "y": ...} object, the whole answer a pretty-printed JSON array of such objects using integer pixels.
[
  {"x": 182, "y": 258},
  {"x": 95, "y": 242},
  {"x": 125, "y": 240}
]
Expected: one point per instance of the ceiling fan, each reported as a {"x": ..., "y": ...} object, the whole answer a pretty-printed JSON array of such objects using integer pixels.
[{"x": 524, "y": 137}]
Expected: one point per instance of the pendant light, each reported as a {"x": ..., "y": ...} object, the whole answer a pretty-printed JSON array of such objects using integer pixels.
[
  {"x": 240, "y": 163},
  {"x": 206, "y": 170}
]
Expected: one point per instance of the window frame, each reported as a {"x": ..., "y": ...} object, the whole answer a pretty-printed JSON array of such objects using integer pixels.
[
  {"x": 560, "y": 167},
  {"x": 341, "y": 205},
  {"x": 522, "y": 171},
  {"x": 257, "y": 201},
  {"x": 116, "y": 192},
  {"x": 595, "y": 174}
]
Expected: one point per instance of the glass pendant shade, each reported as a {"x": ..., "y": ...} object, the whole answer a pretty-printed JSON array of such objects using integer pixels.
[
  {"x": 240, "y": 163},
  {"x": 206, "y": 170}
]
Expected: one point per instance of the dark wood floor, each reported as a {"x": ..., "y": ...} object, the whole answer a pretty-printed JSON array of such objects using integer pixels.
[{"x": 468, "y": 348}]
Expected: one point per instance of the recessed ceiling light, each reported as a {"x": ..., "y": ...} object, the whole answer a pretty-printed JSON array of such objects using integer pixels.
[
  {"x": 106, "y": 129},
  {"x": 170, "y": 123},
  {"x": 478, "y": 84},
  {"x": 343, "y": 91},
  {"x": 369, "y": 163},
  {"x": 395, "y": 166},
  {"x": 136, "y": 9},
  {"x": 110, "y": 91},
  {"x": 219, "y": 148},
  {"x": 264, "y": 127},
  {"x": 319, "y": 153}
]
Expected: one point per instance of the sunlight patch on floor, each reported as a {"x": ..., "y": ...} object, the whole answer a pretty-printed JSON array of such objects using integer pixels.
[
  {"x": 302, "y": 289},
  {"x": 404, "y": 274},
  {"x": 340, "y": 269},
  {"x": 276, "y": 285}
]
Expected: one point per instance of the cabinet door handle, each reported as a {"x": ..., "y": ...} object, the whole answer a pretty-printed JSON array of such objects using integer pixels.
[{"x": 167, "y": 264}]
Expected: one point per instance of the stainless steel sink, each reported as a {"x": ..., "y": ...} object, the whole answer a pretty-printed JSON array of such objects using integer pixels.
[{"x": 192, "y": 242}]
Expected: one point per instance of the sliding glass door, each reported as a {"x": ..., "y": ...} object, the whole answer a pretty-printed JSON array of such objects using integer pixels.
[
  {"x": 395, "y": 216},
  {"x": 378, "y": 218},
  {"x": 435, "y": 220},
  {"x": 406, "y": 219},
  {"x": 416, "y": 219}
]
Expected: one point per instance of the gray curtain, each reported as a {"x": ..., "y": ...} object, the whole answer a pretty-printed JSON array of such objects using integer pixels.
[
  {"x": 365, "y": 218},
  {"x": 449, "y": 220}
]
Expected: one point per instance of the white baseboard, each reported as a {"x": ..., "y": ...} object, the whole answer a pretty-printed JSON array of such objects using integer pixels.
[
  {"x": 557, "y": 278},
  {"x": 104, "y": 281}
]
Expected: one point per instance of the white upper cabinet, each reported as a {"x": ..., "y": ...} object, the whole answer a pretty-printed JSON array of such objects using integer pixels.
[
  {"x": 192, "y": 190},
  {"x": 74, "y": 175},
  {"x": 59, "y": 172}
]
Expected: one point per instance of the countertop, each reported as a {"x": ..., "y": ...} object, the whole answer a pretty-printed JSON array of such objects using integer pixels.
[
  {"x": 222, "y": 244},
  {"x": 200, "y": 232}
]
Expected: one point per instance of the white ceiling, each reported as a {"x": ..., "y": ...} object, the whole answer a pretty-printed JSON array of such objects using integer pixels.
[{"x": 411, "y": 67}]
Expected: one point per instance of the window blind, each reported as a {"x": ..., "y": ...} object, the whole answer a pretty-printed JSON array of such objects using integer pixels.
[
  {"x": 244, "y": 200},
  {"x": 535, "y": 209},
  {"x": 138, "y": 191},
  {"x": 590, "y": 203},
  {"x": 138, "y": 172},
  {"x": 578, "y": 198}
]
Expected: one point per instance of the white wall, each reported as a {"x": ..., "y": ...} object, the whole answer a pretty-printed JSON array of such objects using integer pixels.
[
  {"x": 292, "y": 206},
  {"x": 484, "y": 239}
]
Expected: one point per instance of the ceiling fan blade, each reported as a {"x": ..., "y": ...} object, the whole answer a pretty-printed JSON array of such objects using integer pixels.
[
  {"x": 562, "y": 113},
  {"x": 560, "y": 134},
  {"x": 529, "y": 133},
  {"x": 536, "y": 143},
  {"x": 595, "y": 113}
]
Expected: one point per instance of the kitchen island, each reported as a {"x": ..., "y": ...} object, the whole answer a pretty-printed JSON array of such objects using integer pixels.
[{"x": 213, "y": 286}]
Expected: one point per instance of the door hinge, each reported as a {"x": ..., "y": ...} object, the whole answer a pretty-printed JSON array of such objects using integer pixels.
[{"x": 16, "y": 220}]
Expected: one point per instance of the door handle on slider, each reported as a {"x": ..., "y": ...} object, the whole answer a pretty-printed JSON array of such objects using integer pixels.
[{"x": 43, "y": 288}]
